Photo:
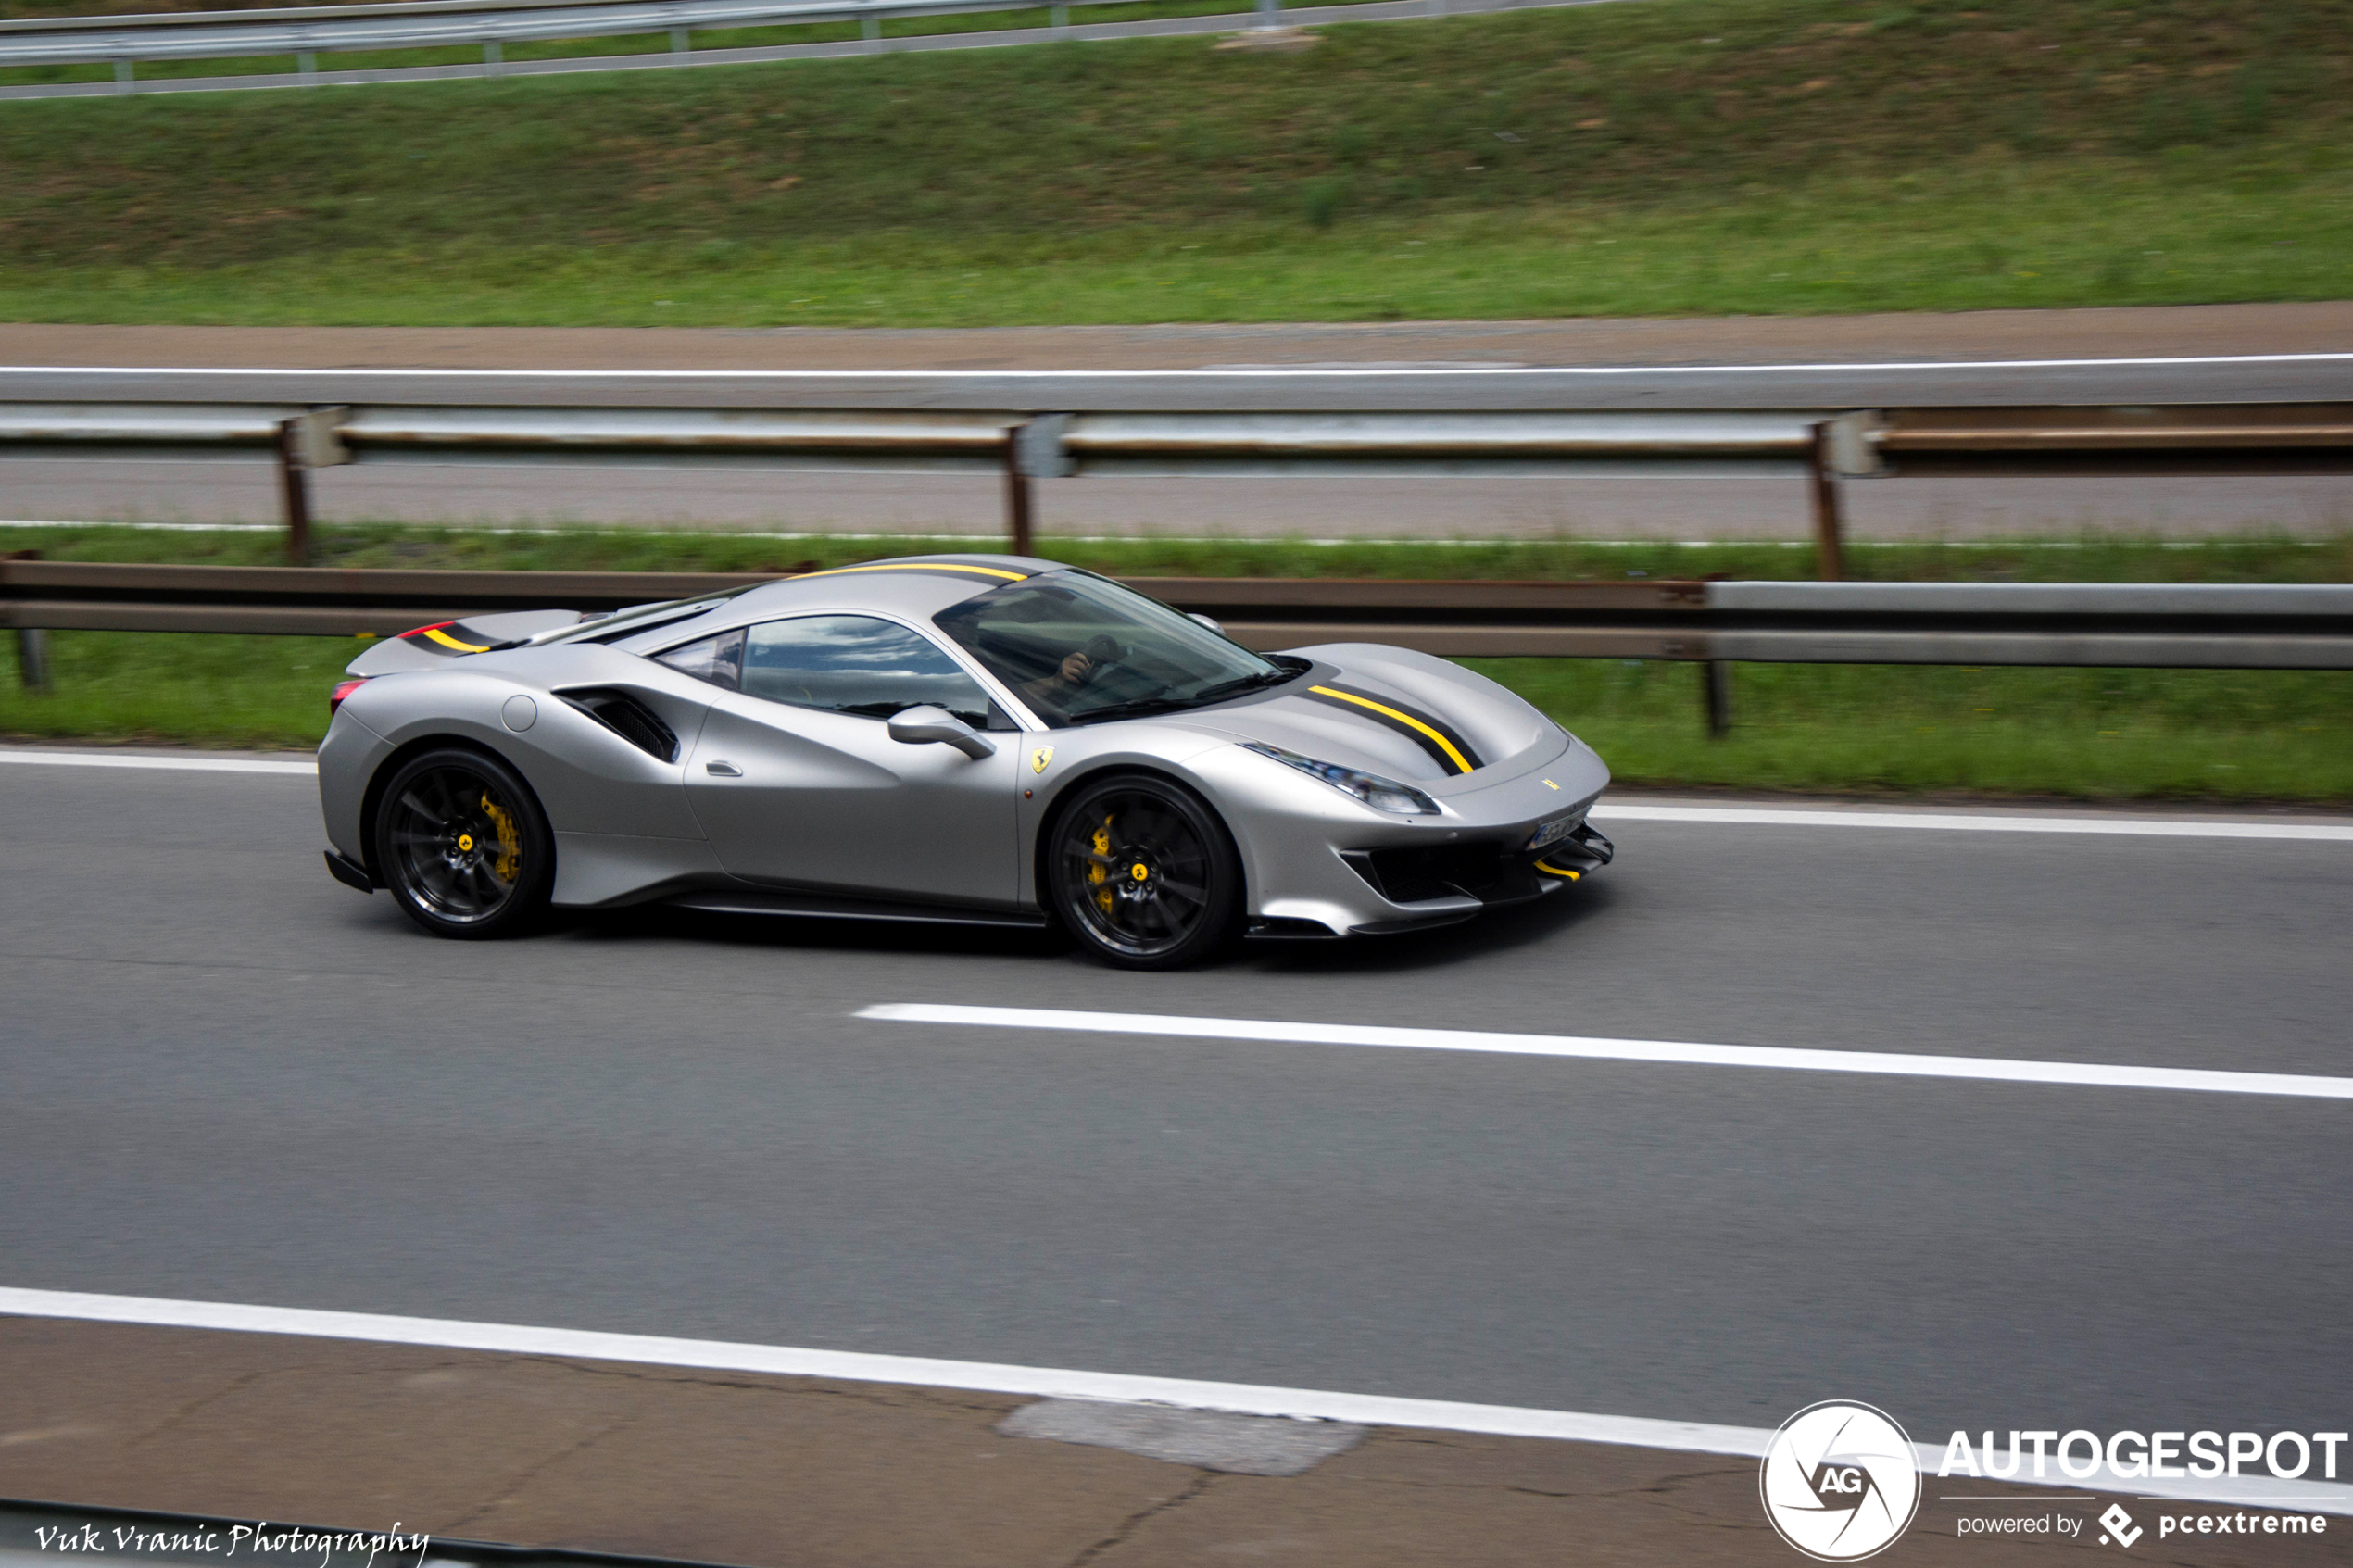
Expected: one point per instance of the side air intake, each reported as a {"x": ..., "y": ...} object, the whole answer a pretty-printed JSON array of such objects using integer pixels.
[{"x": 628, "y": 716}]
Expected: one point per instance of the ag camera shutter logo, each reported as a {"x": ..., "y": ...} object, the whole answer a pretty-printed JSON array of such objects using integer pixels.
[{"x": 1840, "y": 1481}]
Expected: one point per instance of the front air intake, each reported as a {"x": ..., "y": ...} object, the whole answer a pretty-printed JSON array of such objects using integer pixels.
[{"x": 1484, "y": 872}]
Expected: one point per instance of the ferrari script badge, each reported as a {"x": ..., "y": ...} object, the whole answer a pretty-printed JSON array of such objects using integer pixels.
[{"x": 1039, "y": 757}]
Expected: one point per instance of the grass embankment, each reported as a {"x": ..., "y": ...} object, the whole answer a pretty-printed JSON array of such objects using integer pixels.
[
  {"x": 2092, "y": 734},
  {"x": 1672, "y": 156}
]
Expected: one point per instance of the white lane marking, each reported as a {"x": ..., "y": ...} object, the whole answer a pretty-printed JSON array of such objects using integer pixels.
[
  {"x": 992, "y": 1377},
  {"x": 165, "y": 764},
  {"x": 1958, "y": 822},
  {"x": 2008, "y": 1070},
  {"x": 1865, "y": 366}
]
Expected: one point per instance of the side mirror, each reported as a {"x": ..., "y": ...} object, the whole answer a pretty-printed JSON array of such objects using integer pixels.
[
  {"x": 1205, "y": 620},
  {"x": 919, "y": 726}
]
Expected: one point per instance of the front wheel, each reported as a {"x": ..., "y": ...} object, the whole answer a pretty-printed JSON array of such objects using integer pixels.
[
  {"x": 463, "y": 845},
  {"x": 1143, "y": 874}
]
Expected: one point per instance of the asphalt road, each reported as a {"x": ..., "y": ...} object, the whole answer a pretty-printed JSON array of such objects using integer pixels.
[{"x": 230, "y": 1078}]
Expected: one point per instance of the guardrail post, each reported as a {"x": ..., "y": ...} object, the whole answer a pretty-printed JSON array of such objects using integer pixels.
[
  {"x": 1716, "y": 690},
  {"x": 33, "y": 642},
  {"x": 491, "y": 56},
  {"x": 306, "y": 441},
  {"x": 1020, "y": 500},
  {"x": 32, "y": 658},
  {"x": 123, "y": 77},
  {"x": 307, "y": 66},
  {"x": 870, "y": 27},
  {"x": 678, "y": 42},
  {"x": 1059, "y": 17},
  {"x": 1033, "y": 451},
  {"x": 293, "y": 492},
  {"x": 1830, "y": 552},
  {"x": 1270, "y": 13}
]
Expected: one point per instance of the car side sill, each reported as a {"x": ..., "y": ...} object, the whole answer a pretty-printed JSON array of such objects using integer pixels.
[{"x": 818, "y": 906}]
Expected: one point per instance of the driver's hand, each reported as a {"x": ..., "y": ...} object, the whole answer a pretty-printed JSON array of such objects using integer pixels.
[{"x": 1078, "y": 670}]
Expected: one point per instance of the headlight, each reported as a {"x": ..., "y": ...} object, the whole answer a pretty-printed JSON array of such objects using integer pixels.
[{"x": 1382, "y": 795}]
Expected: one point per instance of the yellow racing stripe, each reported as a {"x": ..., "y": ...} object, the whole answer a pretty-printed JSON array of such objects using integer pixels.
[
  {"x": 1559, "y": 871},
  {"x": 923, "y": 565},
  {"x": 1444, "y": 743},
  {"x": 446, "y": 640}
]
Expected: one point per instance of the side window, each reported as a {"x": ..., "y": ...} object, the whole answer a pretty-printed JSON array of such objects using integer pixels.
[
  {"x": 718, "y": 660},
  {"x": 855, "y": 664}
]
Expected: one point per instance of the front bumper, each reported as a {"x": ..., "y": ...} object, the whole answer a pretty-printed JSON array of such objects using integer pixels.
[
  {"x": 1321, "y": 864},
  {"x": 1438, "y": 887}
]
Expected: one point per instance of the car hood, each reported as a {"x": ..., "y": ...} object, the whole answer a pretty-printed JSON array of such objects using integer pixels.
[{"x": 1406, "y": 716}]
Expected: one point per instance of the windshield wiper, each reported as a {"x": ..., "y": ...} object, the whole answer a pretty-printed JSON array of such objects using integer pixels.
[
  {"x": 1136, "y": 707},
  {"x": 1241, "y": 684}
]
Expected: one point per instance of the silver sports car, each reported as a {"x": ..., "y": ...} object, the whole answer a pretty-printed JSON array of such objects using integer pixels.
[{"x": 986, "y": 739}]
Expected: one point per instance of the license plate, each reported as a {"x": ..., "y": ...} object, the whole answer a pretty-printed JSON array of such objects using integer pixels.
[{"x": 1551, "y": 833}]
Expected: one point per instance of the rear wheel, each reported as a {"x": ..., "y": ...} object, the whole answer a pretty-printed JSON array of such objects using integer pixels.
[
  {"x": 463, "y": 845},
  {"x": 1143, "y": 874}
]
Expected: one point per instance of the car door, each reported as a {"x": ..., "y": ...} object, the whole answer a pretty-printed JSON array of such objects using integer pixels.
[{"x": 797, "y": 783}]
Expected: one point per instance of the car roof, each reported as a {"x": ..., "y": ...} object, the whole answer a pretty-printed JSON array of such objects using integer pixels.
[
  {"x": 908, "y": 584},
  {"x": 916, "y": 587}
]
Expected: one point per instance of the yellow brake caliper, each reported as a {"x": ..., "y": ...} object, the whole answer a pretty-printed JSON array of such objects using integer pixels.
[
  {"x": 509, "y": 848},
  {"x": 1095, "y": 873}
]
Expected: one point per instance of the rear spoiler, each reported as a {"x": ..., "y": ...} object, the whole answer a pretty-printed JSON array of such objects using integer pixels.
[{"x": 428, "y": 645}]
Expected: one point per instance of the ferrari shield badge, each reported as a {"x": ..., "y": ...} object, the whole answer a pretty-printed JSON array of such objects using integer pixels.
[{"x": 1039, "y": 756}]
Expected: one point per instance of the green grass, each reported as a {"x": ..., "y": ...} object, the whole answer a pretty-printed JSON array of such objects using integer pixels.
[
  {"x": 2227, "y": 735},
  {"x": 1670, "y": 156},
  {"x": 2180, "y": 734},
  {"x": 2092, "y": 558},
  {"x": 180, "y": 688}
]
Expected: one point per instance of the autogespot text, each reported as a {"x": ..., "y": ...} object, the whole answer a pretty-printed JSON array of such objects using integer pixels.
[{"x": 2155, "y": 1456}]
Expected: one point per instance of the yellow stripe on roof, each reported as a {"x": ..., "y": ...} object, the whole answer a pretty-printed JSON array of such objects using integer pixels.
[
  {"x": 921, "y": 565},
  {"x": 446, "y": 640},
  {"x": 1444, "y": 745}
]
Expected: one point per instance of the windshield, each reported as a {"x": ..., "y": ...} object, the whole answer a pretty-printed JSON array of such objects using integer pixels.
[{"x": 1080, "y": 649}]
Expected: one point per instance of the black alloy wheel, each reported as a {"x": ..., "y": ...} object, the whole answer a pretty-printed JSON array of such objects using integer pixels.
[
  {"x": 1143, "y": 873},
  {"x": 463, "y": 845}
]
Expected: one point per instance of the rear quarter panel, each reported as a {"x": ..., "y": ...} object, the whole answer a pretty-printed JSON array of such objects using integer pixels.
[{"x": 588, "y": 778}]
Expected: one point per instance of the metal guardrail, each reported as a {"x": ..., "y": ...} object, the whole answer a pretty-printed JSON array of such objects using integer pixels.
[
  {"x": 1825, "y": 446},
  {"x": 2228, "y": 626},
  {"x": 306, "y": 32},
  {"x": 2227, "y": 437}
]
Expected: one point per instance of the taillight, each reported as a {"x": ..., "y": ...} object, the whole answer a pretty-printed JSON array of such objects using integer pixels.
[{"x": 343, "y": 689}]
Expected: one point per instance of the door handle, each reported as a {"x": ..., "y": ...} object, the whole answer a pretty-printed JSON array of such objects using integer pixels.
[{"x": 723, "y": 770}]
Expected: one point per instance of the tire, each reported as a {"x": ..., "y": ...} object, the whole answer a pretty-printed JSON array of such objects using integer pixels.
[
  {"x": 1184, "y": 907},
  {"x": 463, "y": 845}
]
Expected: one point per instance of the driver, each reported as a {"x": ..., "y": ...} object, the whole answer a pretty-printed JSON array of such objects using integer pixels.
[{"x": 1059, "y": 690}]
